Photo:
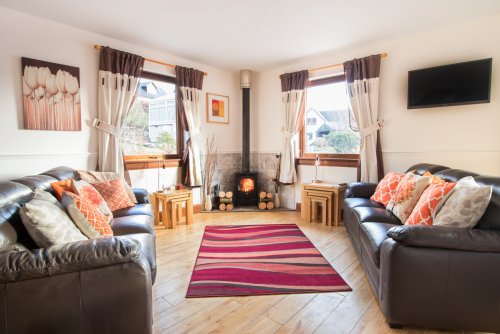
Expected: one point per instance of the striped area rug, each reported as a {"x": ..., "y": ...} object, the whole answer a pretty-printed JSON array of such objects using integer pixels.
[{"x": 249, "y": 260}]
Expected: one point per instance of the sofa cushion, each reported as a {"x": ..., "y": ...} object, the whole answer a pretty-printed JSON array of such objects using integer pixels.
[
  {"x": 429, "y": 203},
  {"x": 357, "y": 201},
  {"x": 407, "y": 194},
  {"x": 88, "y": 192},
  {"x": 60, "y": 186},
  {"x": 138, "y": 209},
  {"x": 465, "y": 206},
  {"x": 381, "y": 215},
  {"x": 47, "y": 222},
  {"x": 132, "y": 224},
  {"x": 386, "y": 188},
  {"x": 114, "y": 194},
  {"x": 93, "y": 177},
  {"x": 372, "y": 236},
  {"x": 92, "y": 223}
]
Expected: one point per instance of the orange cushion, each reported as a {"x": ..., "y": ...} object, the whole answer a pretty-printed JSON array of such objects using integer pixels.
[
  {"x": 429, "y": 201},
  {"x": 93, "y": 214},
  {"x": 114, "y": 194},
  {"x": 386, "y": 187},
  {"x": 63, "y": 185}
]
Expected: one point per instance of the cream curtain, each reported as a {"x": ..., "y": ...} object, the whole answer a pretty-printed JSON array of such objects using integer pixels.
[
  {"x": 119, "y": 74},
  {"x": 362, "y": 78},
  {"x": 189, "y": 83},
  {"x": 293, "y": 87}
]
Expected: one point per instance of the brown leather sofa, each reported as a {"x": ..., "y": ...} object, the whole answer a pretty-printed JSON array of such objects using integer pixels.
[
  {"x": 93, "y": 286},
  {"x": 429, "y": 276}
]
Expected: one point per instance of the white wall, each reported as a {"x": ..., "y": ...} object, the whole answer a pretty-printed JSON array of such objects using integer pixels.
[
  {"x": 24, "y": 152},
  {"x": 466, "y": 137}
]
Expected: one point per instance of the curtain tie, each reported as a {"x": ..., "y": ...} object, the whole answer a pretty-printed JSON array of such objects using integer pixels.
[
  {"x": 106, "y": 127},
  {"x": 371, "y": 128}
]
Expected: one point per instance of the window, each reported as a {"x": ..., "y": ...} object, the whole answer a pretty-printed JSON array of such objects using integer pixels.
[
  {"x": 311, "y": 120},
  {"x": 326, "y": 129},
  {"x": 151, "y": 130}
]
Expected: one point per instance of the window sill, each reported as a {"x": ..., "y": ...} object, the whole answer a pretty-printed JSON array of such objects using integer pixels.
[
  {"x": 153, "y": 164},
  {"x": 331, "y": 162}
]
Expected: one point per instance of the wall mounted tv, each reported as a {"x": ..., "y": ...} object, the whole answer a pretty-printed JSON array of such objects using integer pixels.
[{"x": 450, "y": 85}]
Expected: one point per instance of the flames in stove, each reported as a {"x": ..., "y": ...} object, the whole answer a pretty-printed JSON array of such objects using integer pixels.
[{"x": 246, "y": 185}]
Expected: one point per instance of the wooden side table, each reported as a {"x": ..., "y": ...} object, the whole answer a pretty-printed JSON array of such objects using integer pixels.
[
  {"x": 334, "y": 193},
  {"x": 171, "y": 207}
]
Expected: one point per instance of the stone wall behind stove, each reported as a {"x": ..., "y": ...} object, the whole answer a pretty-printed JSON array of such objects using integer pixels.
[{"x": 262, "y": 163}]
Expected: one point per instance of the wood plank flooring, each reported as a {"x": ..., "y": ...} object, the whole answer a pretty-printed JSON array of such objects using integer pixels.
[{"x": 341, "y": 312}]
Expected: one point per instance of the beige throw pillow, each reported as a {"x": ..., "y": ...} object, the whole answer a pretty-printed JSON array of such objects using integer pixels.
[
  {"x": 465, "y": 206},
  {"x": 406, "y": 195},
  {"x": 93, "y": 177},
  {"x": 47, "y": 222}
]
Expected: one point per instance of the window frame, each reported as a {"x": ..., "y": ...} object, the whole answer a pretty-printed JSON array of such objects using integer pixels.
[
  {"x": 146, "y": 161},
  {"x": 338, "y": 160}
]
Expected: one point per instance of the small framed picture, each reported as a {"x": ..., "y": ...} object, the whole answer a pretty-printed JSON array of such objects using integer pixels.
[{"x": 217, "y": 108}]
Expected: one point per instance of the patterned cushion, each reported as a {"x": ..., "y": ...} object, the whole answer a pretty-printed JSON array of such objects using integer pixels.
[
  {"x": 407, "y": 194},
  {"x": 386, "y": 187},
  {"x": 93, "y": 177},
  {"x": 60, "y": 186},
  {"x": 88, "y": 192},
  {"x": 429, "y": 201},
  {"x": 87, "y": 214},
  {"x": 114, "y": 194},
  {"x": 465, "y": 205},
  {"x": 47, "y": 223}
]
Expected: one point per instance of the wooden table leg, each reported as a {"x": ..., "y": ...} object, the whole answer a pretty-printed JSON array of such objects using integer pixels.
[
  {"x": 324, "y": 210},
  {"x": 189, "y": 210},
  {"x": 156, "y": 209},
  {"x": 164, "y": 210}
]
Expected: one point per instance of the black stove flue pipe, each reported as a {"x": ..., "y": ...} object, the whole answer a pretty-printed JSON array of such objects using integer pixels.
[{"x": 246, "y": 84}]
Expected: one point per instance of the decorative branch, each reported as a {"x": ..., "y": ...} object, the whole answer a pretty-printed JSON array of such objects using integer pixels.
[
  {"x": 276, "y": 179},
  {"x": 210, "y": 166}
]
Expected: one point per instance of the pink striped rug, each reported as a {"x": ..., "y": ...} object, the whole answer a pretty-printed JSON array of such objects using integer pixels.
[{"x": 249, "y": 260}]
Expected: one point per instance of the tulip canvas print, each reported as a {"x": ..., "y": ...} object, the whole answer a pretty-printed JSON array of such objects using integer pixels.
[{"x": 51, "y": 96}]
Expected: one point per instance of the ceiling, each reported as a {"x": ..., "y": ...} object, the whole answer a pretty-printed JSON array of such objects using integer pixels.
[{"x": 255, "y": 34}]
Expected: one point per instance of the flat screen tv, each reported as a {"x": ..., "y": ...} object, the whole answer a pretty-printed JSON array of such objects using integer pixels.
[{"x": 450, "y": 85}]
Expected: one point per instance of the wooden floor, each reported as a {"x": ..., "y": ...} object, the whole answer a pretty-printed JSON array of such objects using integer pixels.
[{"x": 341, "y": 312}]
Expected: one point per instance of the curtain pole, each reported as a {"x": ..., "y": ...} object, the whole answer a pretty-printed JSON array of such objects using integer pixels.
[
  {"x": 382, "y": 56},
  {"x": 99, "y": 47}
]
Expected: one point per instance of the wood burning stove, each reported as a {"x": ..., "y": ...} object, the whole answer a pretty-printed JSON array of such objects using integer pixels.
[
  {"x": 246, "y": 188},
  {"x": 245, "y": 183}
]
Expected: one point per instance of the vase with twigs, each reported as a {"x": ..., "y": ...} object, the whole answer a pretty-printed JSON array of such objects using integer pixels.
[
  {"x": 209, "y": 171},
  {"x": 277, "y": 183}
]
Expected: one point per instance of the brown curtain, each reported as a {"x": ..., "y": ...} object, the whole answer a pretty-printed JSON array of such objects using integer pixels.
[
  {"x": 189, "y": 83},
  {"x": 293, "y": 88},
  {"x": 362, "y": 79},
  {"x": 119, "y": 74}
]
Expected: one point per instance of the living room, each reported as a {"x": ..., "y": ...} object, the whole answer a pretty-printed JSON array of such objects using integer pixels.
[{"x": 270, "y": 39}]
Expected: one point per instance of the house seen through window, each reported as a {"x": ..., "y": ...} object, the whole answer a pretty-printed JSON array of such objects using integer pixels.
[
  {"x": 150, "y": 127},
  {"x": 327, "y": 120}
]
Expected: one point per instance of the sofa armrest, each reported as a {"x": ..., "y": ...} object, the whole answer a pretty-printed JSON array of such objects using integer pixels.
[
  {"x": 141, "y": 195},
  {"x": 447, "y": 238},
  {"x": 360, "y": 189},
  {"x": 71, "y": 257}
]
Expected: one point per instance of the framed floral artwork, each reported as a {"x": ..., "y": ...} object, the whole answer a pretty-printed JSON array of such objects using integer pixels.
[
  {"x": 217, "y": 108},
  {"x": 51, "y": 96}
]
